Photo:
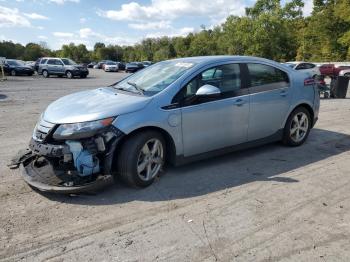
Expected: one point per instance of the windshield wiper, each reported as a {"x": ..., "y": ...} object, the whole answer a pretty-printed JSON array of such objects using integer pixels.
[
  {"x": 136, "y": 87},
  {"x": 123, "y": 89}
]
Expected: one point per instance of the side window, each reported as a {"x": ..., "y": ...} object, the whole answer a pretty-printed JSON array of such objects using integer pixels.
[
  {"x": 309, "y": 66},
  {"x": 58, "y": 62},
  {"x": 225, "y": 77},
  {"x": 51, "y": 62},
  {"x": 262, "y": 76},
  {"x": 43, "y": 61}
]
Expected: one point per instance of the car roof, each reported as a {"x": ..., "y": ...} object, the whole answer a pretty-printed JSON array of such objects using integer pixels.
[{"x": 223, "y": 58}]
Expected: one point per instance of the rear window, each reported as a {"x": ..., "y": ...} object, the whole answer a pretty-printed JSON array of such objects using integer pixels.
[{"x": 261, "y": 75}]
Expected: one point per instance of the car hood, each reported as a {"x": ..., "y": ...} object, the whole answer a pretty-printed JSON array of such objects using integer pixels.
[{"x": 93, "y": 105}]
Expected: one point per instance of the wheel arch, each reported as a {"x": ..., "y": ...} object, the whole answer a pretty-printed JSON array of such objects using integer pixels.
[{"x": 307, "y": 106}]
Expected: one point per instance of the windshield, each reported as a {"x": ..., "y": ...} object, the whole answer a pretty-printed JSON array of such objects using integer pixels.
[
  {"x": 155, "y": 78},
  {"x": 15, "y": 63},
  {"x": 67, "y": 61}
]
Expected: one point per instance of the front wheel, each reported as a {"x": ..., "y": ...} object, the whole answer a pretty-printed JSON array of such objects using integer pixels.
[
  {"x": 13, "y": 72},
  {"x": 141, "y": 159},
  {"x": 69, "y": 74},
  {"x": 297, "y": 127}
]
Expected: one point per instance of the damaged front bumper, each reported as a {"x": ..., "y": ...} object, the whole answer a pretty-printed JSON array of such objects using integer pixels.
[{"x": 70, "y": 166}]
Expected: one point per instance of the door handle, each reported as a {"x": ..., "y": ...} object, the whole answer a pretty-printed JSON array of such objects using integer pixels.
[
  {"x": 284, "y": 93},
  {"x": 239, "y": 102}
]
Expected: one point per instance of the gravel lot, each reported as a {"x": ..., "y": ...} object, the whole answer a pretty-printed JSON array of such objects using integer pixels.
[{"x": 271, "y": 203}]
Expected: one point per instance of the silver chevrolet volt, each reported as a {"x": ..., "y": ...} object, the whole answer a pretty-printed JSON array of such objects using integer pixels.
[{"x": 171, "y": 112}]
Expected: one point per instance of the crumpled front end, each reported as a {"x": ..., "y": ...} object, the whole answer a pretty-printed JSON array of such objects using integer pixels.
[{"x": 69, "y": 165}]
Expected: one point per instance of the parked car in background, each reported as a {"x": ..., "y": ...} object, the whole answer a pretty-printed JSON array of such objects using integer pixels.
[
  {"x": 331, "y": 70},
  {"x": 345, "y": 72},
  {"x": 36, "y": 64},
  {"x": 91, "y": 65},
  {"x": 146, "y": 63},
  {"x": 305, "y": 67},
  {"x": 100, "y": 64},
  {"x": 15, "y": 67},
  {"x": 171, "y": 112},
  {"x": 110, "y": 67},
  {"x": 30, "y": 63},
  {"x": 61, "y": 67},
  {"x": 121, "y": 65},
  {"x": 133, "y": 67}
]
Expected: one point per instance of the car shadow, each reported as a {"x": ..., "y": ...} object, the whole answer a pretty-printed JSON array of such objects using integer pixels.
[
  {"x": 272, "y": 163},
  {"x": 2, "y": 97}
]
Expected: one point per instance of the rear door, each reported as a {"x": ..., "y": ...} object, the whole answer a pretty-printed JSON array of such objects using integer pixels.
[{"x": 269, "y": 100}]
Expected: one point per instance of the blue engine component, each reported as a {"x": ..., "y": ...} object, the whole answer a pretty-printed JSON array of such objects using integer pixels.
[{"x": 85, "y": 162}]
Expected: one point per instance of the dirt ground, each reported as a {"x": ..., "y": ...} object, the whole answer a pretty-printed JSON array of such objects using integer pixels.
[{"x": 271, "y": 203}]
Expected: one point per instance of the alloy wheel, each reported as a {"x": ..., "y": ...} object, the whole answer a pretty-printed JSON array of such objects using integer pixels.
[
  {"x": 150, "y": 159},
  {"x": 299, "y": 127}
]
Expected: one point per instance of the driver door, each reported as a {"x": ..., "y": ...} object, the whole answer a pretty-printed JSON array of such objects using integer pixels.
[{"x": 210, "y": 123}]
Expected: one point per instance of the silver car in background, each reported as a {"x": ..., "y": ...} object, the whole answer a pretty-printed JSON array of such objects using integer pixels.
[
  {"x": 306, "y": 67},
  {"x": 61, "y": 67},
  {"x": 171, "y": 112}
]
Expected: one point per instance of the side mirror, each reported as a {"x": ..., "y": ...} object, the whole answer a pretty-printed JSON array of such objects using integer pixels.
[{"x": 208, "y": 91}]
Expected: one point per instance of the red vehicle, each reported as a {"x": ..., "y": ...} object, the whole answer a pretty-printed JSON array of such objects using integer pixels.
[{"x": 331, "y": 70}]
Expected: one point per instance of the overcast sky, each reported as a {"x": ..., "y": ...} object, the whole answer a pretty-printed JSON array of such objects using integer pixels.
[{"x": 120, "y": 22}]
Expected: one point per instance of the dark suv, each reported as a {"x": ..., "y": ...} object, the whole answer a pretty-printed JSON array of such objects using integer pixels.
[{"x": 61, "y": 67}]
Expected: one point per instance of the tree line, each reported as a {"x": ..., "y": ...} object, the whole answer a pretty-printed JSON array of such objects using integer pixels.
[{"x": 268, "y": 29}]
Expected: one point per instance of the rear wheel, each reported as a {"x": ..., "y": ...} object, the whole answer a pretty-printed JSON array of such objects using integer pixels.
[
  {"x": 141, "y": 159},
  {"x": 46, "y": 73},
  {"x": 297, "y": 127},
  {"x": 13, "y": 72}
]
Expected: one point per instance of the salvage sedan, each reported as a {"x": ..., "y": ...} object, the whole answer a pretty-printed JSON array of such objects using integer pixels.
[{"x": 171, "y": 112}]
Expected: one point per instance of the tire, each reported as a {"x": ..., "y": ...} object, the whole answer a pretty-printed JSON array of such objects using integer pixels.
[
  {"x": 347, "y": 75},
  {"x": 326, "y": 95},
  {"x": 45, "y": 73},
  {"x": 69, "y": 74},
  {"x": 295, "y": 134},
  {"x": 136, "y": 165},
  {"x": 13, "y": 72}
]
